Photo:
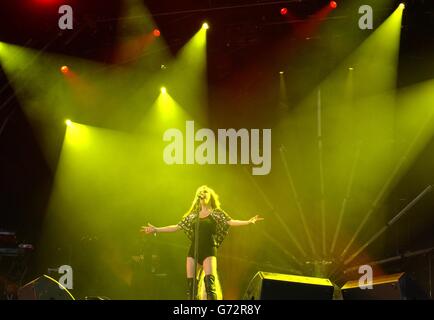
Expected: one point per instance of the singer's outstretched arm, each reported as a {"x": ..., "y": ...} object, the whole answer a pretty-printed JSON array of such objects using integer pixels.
[
  {"x": 152, "y": 229},
  {"x": 239, "y": 223}
]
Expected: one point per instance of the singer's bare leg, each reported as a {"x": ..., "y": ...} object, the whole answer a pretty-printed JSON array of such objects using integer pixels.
[
  {"x": 190, "y": 267},
  {"x": 190, "y": 264},
  {"x": 210, "y": 265}
]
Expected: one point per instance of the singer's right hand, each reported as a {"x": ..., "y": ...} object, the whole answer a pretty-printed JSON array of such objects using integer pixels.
[{"x": 149, "y": 229}]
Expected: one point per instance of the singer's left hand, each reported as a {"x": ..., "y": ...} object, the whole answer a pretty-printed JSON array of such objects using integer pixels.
[{"x": 255, "y": 219}]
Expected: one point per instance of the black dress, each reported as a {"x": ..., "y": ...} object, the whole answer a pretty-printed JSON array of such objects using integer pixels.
[
  {"x": 207, "y": 245},
  {"x": 212, "y": 231}
]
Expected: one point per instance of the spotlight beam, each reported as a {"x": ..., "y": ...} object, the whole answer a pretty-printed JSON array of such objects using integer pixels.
[
  {"x": 386, "y": 186},
  {"x": 390, "y": 259},
  {"x": 6, "y": 121},
  {"x": 347, "y": 196},
  {"x": 321, "y": 173},
  {"x": 297, "y": 201},
  {"x": 6, "y": 102},
  {"x": 391, "y": 26},
  {"x": 31, "y": 62},
  {"x": 283, "y": 97},
  {"x": 279, "y": 245},
  {"x": 390, "y": 223},
  {"x": 269, "y": 204}
]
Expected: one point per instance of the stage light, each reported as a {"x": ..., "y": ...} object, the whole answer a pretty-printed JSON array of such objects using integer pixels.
[
  {"x": 68, "y": 122},
  {"x": 156, "y": 33},
  {"x": 163, "y": 90},
  {"x": 281, "y": 72},
  {"x": 284, "y": 11},
  {"x": 402, "y": 6},
  {"x": 205, "y": 26},
  {"x": 333, "y": 4},
  {"x": 351, "y": 68},
  {"x": 64, "y": 69}
]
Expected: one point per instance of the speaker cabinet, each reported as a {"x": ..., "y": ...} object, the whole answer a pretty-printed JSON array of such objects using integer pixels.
[
  {"x": 387, "y": 287},
  {"x": 44, "y": 288},
  {"x": 276, "y": 286}
]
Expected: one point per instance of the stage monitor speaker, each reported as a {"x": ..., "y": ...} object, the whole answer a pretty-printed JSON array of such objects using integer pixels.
[
  {"x": 387, "y": 287},
  {"x": 276, "y": 286},
  {"x": 44, "y": 288}
]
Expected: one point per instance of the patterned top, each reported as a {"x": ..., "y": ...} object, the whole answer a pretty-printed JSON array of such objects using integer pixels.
[{"x": 222, "y": 227}]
